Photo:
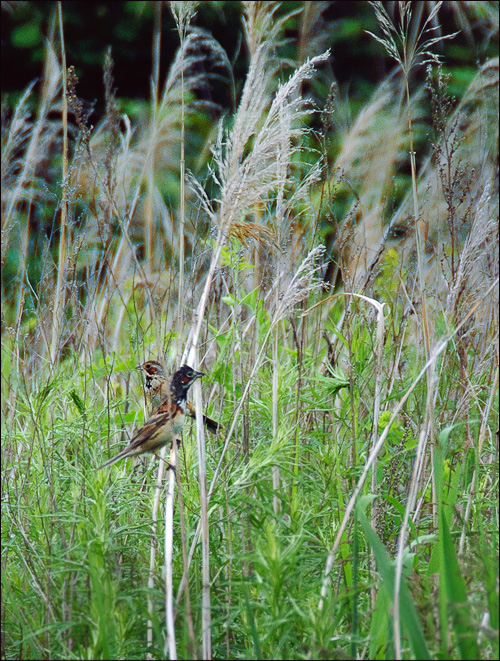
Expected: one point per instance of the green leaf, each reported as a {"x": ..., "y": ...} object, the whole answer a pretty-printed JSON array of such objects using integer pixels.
[
  {"x": 407, "y": 610},
  {"x": 463, "y": 625},
  {"x": 78, "y": 402},
  {"x": 452, "y": 591}
]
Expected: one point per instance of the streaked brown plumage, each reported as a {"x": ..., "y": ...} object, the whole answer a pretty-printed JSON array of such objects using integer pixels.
[
  {"x": 166, "y": 423},
  {"x": 156, "y": 388}
]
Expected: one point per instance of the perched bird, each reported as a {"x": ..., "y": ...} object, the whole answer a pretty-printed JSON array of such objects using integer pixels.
[
  {"x": 166, "y": 423},
  {"x": 156, "y": 388}
]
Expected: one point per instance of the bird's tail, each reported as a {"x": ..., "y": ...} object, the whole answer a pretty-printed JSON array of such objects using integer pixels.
[
  {"x": 117, "y": 457},
  {"x": 211, "y": 424}
]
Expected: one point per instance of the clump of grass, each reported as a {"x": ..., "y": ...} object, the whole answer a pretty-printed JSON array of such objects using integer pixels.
[{"x": 316, "y": 390}]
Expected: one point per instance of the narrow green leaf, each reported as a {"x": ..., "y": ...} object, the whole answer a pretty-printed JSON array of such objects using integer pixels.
[{"x": 408, "y": 612}]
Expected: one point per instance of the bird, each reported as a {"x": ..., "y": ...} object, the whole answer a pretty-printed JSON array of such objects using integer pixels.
[
  {"x": 156, "y": 387},
  {"x": 166, "y": 423}
]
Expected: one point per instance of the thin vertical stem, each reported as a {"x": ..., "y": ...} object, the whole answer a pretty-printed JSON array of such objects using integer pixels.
[
  {"x": 63, "y": 228},
  {"x": 189, "y": 616},
  {"x": 169, "y": 579},
  {"x": 275, "y": 468},
  {"x": 419, "y": 234},
  {"x": 152, "y": 552},
  {"x": 182, "y": 220}
]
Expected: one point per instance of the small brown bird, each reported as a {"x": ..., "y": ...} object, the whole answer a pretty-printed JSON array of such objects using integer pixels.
[
  {"x": 156, "y": 388},
  {"x": 166, "y": 423}
]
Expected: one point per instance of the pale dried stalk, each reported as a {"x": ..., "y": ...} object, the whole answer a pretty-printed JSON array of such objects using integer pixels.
[
  {"x": 169, "y": 552},
  {"x": 302, "y": 284},
  {"x": 200, "y": 439},
  {"x": 152, "y": 551},
  {"x": 183, "y": 13},
  {"x": 205, "y": 550},
  {"x": 244, "y": 180}
]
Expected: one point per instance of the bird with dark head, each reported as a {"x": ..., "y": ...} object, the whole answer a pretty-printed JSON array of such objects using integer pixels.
[
  {"x": 166, "y": 423},
  {"x": 156, "y": 387}
]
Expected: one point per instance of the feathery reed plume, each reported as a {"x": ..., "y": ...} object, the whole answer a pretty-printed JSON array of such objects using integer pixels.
[
  {"x": 371, "y": 152},
  {"x": 262, "y": 27},
  {"x": 20, "y": 183},
  {"x": 315, "y": 31},
  {"x": 305, "y": 281},
  {"x": 469, "y": 278},
  {"x": 470, "y": 133},
  {"x": 14, "y": 136},
  {"x": 246, "y": 177},
  {"x": 409, "y": 48},
  {"x": 156, "y": 150},
  {"x": 40, "y": 136},
  {"x": 183, "y": 13}
]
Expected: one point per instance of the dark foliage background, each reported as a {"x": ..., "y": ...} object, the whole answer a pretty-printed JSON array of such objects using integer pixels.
[{"x": 91, "y": 27}]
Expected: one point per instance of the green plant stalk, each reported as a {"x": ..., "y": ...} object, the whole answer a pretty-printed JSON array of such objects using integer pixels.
[
  {"x": 438, "y": 349},
  {"x": 354, "y": 600},
  {"x": 297, "y": 425},
  {"x": 419, "y": 238},
  {"x": 482, "y": 435},
  {"x": 63, "y": 227},
  {"x": 188, "y": 609},
  {"x": 224, "y": 450},
  {"x": 275, "y": 469},
  {"x": 452, "y": 589},
  {"x": 409, "y": 613}
]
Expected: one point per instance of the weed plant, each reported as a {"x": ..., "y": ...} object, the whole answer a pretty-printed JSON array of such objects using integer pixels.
[{"x": 348, "y": 508}]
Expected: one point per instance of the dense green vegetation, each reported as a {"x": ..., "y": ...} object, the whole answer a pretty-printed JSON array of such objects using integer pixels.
[{"x": 330, "y": 261}]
